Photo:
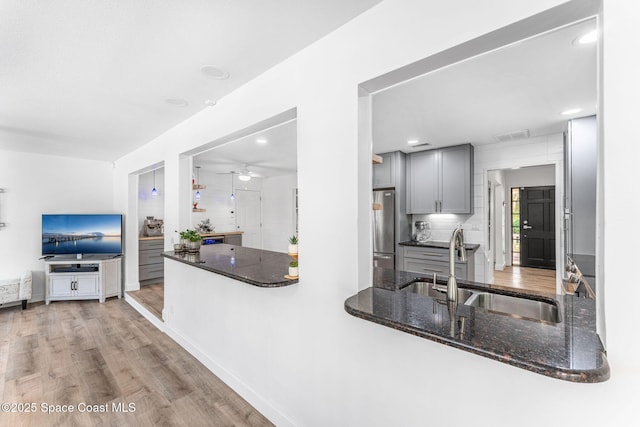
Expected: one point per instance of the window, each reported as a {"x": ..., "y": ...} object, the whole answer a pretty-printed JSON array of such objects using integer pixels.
[{"x": 515, "y": 226}]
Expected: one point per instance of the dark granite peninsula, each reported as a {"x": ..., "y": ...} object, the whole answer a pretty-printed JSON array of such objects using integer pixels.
[
  {"x": 569, "y": 349},
  {"x": 254, "y": 266}
]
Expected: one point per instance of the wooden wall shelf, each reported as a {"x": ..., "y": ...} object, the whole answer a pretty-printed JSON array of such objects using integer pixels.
[
  {"x": 199, "y": 186},
  {"x": 199, "y": 210}
]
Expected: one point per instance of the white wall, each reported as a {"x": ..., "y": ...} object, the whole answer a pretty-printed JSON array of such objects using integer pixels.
[
  {"x": 35, "y": 184},
  {"x": 149, "y": 205},
  {"x": 308, "y": 362}
]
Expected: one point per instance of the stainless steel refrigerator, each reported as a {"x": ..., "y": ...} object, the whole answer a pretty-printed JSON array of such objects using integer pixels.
[{"x": 384, "y": 225}]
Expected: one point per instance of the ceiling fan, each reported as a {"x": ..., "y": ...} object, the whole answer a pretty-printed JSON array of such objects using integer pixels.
[{"x": 244, "y": 174}]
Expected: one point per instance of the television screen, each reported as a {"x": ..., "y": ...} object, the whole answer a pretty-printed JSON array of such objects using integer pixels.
[{"x": 81, "y": 234}]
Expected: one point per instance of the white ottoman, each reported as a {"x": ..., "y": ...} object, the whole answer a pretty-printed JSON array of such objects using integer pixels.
[{"x": 18, "y": 289}]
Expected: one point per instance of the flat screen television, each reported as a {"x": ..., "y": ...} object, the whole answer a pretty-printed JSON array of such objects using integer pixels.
[{"x": 85, "y": 234}]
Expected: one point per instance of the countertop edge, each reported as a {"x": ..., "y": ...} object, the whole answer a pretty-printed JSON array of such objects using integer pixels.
[
  {"x": 601, "y": 374},
  {"x": 284, "y": 283}
]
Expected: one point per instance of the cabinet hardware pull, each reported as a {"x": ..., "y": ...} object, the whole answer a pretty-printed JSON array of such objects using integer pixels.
[
  {"x": 432, "y": 254},
  {"x": 432, "y": 269},
  {"x": 435, "y": 207}
]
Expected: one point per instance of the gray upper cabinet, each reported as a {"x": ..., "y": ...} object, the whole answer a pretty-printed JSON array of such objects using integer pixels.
[
  {"x": 441, "y": 181},
  {"x": 383, "y": 173},
  {"x": 422, "y": 180},
  {"x": 389, "y": 173}
]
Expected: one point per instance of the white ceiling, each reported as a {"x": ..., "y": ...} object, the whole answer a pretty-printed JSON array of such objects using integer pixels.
[
  {"x": 90, "y": 78},
  {"x": 278, "y": 156},
  {"x": 523, "y": 86}
]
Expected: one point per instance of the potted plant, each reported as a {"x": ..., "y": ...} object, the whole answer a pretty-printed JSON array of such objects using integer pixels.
[
  {"x": 293, "y": 269},
  {"x": 293, "y": 245},
  {"x": 191, "y": 239}
]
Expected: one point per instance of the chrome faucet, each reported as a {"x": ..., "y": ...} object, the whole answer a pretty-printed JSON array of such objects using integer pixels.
[{"x": 456, "y": 244}]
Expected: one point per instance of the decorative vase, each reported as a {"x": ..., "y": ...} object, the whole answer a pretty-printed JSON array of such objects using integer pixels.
[
  {"x": 193, "y": 246},
  {"x": 293, "y": 271},
  {"x": 293, "y": 249}
]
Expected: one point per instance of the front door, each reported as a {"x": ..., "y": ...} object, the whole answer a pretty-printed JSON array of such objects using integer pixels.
[{"x": 538, "y": 227}]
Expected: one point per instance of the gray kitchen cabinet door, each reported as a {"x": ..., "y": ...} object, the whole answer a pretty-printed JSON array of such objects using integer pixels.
[
  {"x": 384, "y": 173},
  {"x": 456, "y": 185},
  {"x": 422, "y": 182}
]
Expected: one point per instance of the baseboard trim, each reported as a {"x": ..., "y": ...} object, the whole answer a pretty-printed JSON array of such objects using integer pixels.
[
  {"x": 145, "y": 313},
  {"x": 244, "y": 390}
]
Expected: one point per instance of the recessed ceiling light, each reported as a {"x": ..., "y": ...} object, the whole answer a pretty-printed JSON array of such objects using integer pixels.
[
  {"x": 213, "y": 72},
  {"x": 261, "y": 141},
  {"x": 177, "y": 102},
  {"x": 412, "y": 141},
  {"x": 210, "y": 102},
  {"x": 571, "y": 111},
  {"x": 586, "y": 38}
]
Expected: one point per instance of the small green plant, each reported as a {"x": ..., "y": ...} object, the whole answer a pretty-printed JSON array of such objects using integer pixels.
[
  {"x": 293, "y": 240},
  {"x": 190, "y": 235},
  {"x": 293, "y": 264}
]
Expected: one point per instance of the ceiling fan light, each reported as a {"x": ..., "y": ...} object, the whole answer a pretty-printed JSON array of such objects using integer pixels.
[{"x": 244, "y": 177}]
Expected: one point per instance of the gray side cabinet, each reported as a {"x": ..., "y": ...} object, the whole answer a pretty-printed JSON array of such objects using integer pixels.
[
  {"x": 441, "y": 181},
  {"x": 151, "y": 263},
  {"x": 233, "y": 239},
  {"x": 427, "y": 260}
]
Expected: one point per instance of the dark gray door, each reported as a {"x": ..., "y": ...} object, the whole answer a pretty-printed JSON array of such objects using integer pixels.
[{"x": 537, "y": 227}]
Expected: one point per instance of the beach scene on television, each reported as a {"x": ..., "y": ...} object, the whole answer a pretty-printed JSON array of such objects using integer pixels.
[{"x": 81, "y": 234}]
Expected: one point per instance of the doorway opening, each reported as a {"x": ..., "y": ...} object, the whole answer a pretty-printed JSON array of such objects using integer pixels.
[
  {"x": 515, "y": 226},
  {"x": 536, "y": 237}
]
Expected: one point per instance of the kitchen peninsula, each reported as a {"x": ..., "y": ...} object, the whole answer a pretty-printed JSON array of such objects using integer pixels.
[
  {"x": 569, "y": 349},
  {"x": 254, "y": 266}
]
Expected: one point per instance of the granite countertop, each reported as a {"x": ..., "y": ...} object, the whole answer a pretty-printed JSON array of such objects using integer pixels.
[
  {"x": 570, "y": 350},
  {"x": 254, "y": 266},
  {"x": 437, "y": 244}
]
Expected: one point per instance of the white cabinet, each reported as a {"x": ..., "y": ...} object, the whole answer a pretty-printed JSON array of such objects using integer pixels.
[
  {"x": 65, "y": 286},
  {"x": 441, "y": 181},
  {"x": 82, "y": 279}
]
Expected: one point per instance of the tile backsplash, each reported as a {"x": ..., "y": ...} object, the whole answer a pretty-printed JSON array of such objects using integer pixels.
[{"x": 442, "y": 225}]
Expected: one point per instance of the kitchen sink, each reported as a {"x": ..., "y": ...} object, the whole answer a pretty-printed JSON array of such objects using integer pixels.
[
  {"x": 426, "y": 288},
  {"x": 514, "y": 306},
  {"x": 524, "y": 308}
]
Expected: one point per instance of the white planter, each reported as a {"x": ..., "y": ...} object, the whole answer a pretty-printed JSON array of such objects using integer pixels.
[
  {"x": 293, "y": 271},
  {"x": 293, "y": 249}
]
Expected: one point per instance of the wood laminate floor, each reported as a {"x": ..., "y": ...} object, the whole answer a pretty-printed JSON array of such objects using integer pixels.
[
  {"x": 85, "y": 353},
  {"x": 533, "y": 280},
  {"x": 151, "y": 296}
]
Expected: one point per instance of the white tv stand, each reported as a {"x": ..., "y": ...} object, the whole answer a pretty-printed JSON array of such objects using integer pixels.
[{"x": 92, "y": 277}]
